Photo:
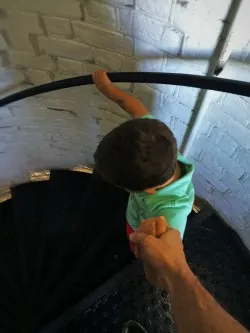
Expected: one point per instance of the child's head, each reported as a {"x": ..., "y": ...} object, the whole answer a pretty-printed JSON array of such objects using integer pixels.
[{"x": 138, "y": 155}]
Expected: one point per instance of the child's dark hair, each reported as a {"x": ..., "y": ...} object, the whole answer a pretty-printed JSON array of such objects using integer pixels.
[{"x": 137, "y": 155}]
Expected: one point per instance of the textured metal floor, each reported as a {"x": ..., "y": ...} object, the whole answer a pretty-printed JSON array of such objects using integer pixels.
[{"x": 217, "y": 258}]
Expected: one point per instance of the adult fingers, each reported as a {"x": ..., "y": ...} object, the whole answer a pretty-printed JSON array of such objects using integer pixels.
[
  {"x": 137, "y": 237},
  {"x": 161, "y": 226},
  {"x": 152, "y": 250},
  {"x": 148, "y": 244}
]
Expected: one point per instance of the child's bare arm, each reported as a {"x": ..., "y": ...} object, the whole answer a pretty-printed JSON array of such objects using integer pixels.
[{"x": 129, "y": 103}]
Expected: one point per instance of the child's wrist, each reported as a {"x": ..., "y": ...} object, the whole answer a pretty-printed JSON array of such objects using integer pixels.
[
  {"x": 110, "y": 91},
  {"x": 106, "y": 88}
]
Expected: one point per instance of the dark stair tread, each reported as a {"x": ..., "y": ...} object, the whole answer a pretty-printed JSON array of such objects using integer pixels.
[
  {"x": 97, "y": 265},
  {"x": 96, "y": 248},
  {"x": 8, "y": 248},
  {"x": 215, "y": 256},
  {"x": 65, "y": 190},
  {"x": 28, "y": 202},
  {"x": 10, "y": 280},
  {"x": 68, "y": 206},
  {"x": 94, "y": 297},
  {"x": 90, "y": 215}
]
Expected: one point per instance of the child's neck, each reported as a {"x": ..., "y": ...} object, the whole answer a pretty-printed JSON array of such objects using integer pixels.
[{"x": 176, "y": 175}]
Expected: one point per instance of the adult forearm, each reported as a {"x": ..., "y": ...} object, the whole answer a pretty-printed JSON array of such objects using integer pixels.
[
  {"x": 165, "y": 265},
  {"x": 195, "y": 310}
]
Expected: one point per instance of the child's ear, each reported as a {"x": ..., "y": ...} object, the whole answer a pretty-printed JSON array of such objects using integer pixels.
[{"x": 150, "y": 190}]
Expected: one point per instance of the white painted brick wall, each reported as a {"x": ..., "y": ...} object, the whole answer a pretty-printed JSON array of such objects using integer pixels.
[
  {"x": 20, "y": 41},
  {"x": 180, "y": 111},
  {"x": 108, "y": 59},
  {"x": 58, "y": 26},
  {"x": 101, "y": 14},
  {"x": 119, "y": 3},
  {"x": 38, "y": 77},
  {"x": 125, "y": 20},
  {"x": 242, "y": 157},
  {"x": 52, "y": 40},
  {"x": 65, "y": 48},
  {"x": 71, "y": 67},
  {"x": 239, "y": 114},
  {"x": 222, "y": 147},
  {"x": 147, "y": 29},
  {"x": 159, "y": 8},
  {"x": 23, "y": 22},
  {"x": 3, "y": 44},
  {"x": 148, "y": 57},
  {"x": 28, "y": 60},
  {"x": 11, "y": 77},
  {"x": 92, "y": 35},
  {"x": 61, "y": 8},
  {"x": 171, "y": 40}
]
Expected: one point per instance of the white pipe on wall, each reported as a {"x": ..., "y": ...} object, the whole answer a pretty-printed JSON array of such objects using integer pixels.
[{"x": 220, "y": 56}]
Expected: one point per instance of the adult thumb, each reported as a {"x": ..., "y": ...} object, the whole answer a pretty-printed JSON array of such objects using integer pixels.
[{"x": 138, "y": 237}]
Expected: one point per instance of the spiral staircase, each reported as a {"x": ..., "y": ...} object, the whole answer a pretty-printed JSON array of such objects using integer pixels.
[
  {"x": 66, "y": 266},
  {"x": 65, "y": 263}
]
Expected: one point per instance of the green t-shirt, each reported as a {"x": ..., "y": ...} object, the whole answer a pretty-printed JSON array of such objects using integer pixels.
[{"x": 174, "y": 201}]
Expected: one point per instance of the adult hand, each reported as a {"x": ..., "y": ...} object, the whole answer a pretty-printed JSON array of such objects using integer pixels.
[
  {"x": 161, "y": 250},
  {"x": 154, "y": 226}
]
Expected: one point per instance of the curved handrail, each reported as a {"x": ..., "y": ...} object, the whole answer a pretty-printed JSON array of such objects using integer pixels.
[{"x": 197, "y": 81}]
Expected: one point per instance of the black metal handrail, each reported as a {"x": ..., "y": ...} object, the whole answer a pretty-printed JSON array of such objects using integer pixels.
[{"x": 197, "y": 81}]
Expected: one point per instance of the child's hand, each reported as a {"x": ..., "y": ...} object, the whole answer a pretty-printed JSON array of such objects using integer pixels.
[
  {"x": 154, "y": 226},
  {"x": 101, "y": 80}
]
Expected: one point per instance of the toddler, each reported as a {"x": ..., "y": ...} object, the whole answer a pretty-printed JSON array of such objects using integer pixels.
[{"x": 141, "y": 156}]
